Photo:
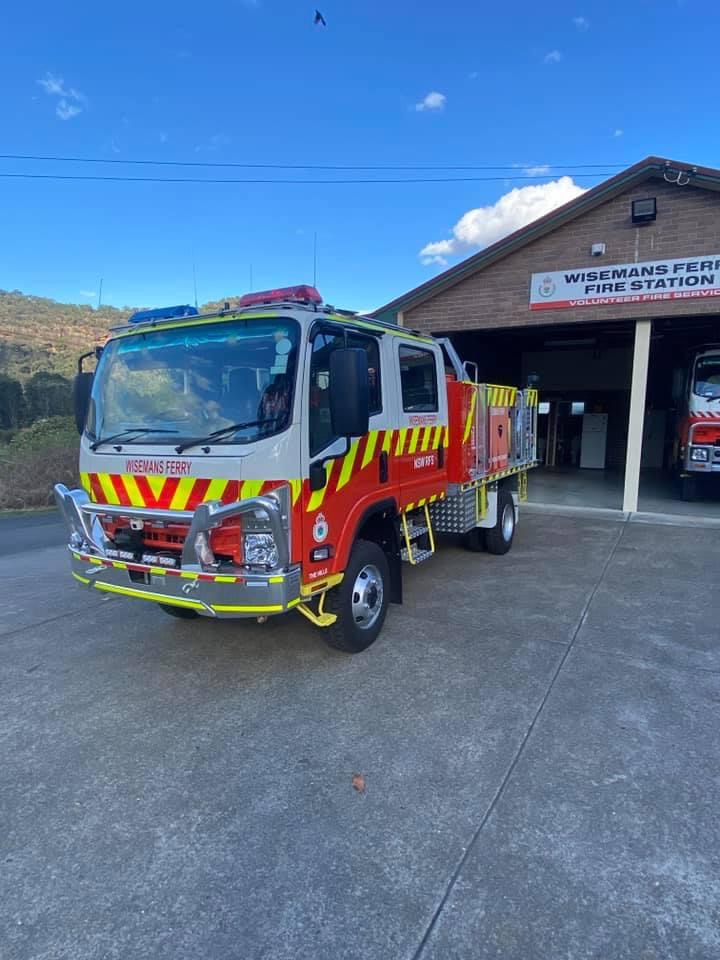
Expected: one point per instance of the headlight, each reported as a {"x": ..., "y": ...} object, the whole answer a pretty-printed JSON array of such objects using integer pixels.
[
  {"x": 260, "y": 549},
  {"x": 699, "y": 453}
]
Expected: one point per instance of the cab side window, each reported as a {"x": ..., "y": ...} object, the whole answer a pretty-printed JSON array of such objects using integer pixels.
[
  {"x": 323, "y": 344},
  {"x": 418, "y": 379}
]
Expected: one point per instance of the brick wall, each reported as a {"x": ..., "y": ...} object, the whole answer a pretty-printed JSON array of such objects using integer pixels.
[{"x": 688, "y": 224}]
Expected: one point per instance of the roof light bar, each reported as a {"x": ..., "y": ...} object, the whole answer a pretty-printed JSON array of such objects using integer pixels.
[
  {"x": 302, "y": 293},
  {"x": 163, "y": 313}
]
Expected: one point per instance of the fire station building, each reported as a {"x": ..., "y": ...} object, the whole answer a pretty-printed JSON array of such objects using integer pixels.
[{"x": 606, "y": 300}]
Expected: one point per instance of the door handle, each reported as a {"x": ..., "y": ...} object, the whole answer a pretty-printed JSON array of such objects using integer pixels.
[{"x": 383, "y": 467}]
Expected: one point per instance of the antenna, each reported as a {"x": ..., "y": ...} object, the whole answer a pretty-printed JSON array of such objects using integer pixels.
[
  {"x": 315, "y": 259},
  {"x": 99, "y": 303},
  {"x": 194, "y": 282}
]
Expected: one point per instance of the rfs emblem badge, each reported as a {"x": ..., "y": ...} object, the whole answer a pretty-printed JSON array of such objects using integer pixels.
[{"x": 320, "y": 529}]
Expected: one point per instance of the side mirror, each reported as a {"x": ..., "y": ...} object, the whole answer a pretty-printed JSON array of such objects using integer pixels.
[
  {"x": 349, "y": 392},
  {"x": 82, "y": 387}
]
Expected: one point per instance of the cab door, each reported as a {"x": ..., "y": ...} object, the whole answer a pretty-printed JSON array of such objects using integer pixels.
[
  {"x": 420, "y": 449},
  {"x": 358, "y": 476}
]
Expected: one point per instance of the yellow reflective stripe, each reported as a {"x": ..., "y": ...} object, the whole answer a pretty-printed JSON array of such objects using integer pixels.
[
  {"x": 317, "y": 497},
  {"x": 427, "y": 434},
  {"x": 119, "y": 565},
  {"x": 296, "y": 488},
  {"x": 436, "y": 438},
  {"x": 447, "y": 436},
  {"x": 143, "y": 595},
  {"x": 251, "y": 488},
  {"x": 470, "y": 416},
  {"x": 347, "y": 464},
  {"x": 182, "y": 493},
  {"x": 414, "y": 437},
  {"x": 107, "y": 488},
  {"x": 216, "y": 489},
  {"x": 79, "y": 578},
  {"x": 95, "y": 560},
  {"x": 188, "y": 576},
  {"x": 402, "y": 432},
  {"x": 229, "y": 608},
  {"x": 156, "y": 485},
  {"x": 222, "y": 579},
  {"x": 387, "y": 441},
  {"x": 369, "y": 449},
  {"x": 85, "y": 481},
  {"x": 276, "y": 579},
  {"x": 132, "y": 490}
]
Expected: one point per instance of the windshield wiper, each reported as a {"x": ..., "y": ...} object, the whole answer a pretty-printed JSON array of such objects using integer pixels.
[
  {"x": 219, "y": 434},
  {"x": 123, "y": 433}
]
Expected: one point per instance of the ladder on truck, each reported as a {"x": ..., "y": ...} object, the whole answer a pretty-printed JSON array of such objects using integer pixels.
[{"x": 418, "y": 540}]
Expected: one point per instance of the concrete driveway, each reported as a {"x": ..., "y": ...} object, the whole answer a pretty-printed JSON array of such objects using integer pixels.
[{"x": 537, "y": 735}]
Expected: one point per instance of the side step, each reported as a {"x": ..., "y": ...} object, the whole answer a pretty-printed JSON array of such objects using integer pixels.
[{"x": 419, "y": 527}]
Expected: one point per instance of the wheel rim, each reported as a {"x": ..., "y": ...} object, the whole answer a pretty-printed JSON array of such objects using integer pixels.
[
  {"x": 367, "y": 596},
  {"x": 508, "y": 522}
]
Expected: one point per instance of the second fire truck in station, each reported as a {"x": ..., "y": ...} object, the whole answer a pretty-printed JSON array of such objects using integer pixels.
[{"x": 281, "y": 455}]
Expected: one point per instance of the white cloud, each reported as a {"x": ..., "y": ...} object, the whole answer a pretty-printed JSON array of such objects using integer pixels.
[
  {"x": 553, "y": 57},
  {"x": 539, "y": 171},
  {"x": 436, "y": 259},
  {"x": 433, "y": 101},
  {"x": 618, "y": 132},
  {"x": 582, "y": 23},
  {"x": 480, "y": 227},
  {"x": 69, "y": 98},
  {"x": 88, "y": 293},
  {"x": 65, "y": 110}
]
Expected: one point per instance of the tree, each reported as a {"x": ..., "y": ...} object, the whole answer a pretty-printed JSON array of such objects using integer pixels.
[
  {"x": 48, "y": 395},
  {"x": 12, "y": 403}
]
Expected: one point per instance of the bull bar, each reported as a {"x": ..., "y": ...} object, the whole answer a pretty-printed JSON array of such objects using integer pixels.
[{"x": 214, "y": 592}]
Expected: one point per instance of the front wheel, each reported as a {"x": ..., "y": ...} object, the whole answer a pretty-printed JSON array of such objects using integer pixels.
[
  {"x": 499, "y": 538},
  {"x": 361, "y": 601}
]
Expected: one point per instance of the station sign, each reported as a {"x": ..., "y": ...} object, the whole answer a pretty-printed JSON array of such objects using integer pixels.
[{"x": 684, "y": 278}]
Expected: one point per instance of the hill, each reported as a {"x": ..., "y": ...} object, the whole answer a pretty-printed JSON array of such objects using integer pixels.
[{"x": 41, "y": 334}]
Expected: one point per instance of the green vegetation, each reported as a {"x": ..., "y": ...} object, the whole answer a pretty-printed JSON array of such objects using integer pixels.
[{"x": 34, "y": 459}]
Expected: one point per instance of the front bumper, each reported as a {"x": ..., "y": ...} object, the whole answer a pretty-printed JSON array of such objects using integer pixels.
[{"x": 226, "y": 593}]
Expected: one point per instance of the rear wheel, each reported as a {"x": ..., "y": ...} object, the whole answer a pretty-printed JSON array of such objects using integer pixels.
[
  {"x": 182, "y": 613},
  {"x": 474, "y": 540},
  {"x": 500, "y": 537},
  {"x": 360, "y": 602}
]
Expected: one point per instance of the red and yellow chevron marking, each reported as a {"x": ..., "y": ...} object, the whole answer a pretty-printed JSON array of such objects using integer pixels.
[
  {"x": 531, "y": 397},
  {"x": 174, "y": 493},
  {"x": 396, "y": 443}
]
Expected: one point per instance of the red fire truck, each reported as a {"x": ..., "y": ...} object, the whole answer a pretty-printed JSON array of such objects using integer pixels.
[
  {"x": 285, "y": 455},
  {"x": 696, "y": 451}
]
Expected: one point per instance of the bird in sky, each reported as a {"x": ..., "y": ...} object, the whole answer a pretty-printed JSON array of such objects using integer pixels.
[{"x": 319, "y": 19}]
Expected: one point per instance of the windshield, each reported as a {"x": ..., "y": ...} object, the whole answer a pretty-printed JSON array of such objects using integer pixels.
[
  {"x": 707, "y": 376},
  {"x": 189, "y": 382}
]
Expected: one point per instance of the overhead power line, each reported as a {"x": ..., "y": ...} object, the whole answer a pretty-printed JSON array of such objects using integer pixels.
[
  {"x": 274, "y": 180},
  {"x": 497, "y": 166}
]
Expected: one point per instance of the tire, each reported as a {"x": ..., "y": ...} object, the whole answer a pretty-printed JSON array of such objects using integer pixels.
[
  {"x": 364, "y": 591},
  {"x": 182, "y": 613},
  {"x": 475, "y": 540},
  {"x": 499, "y": 538},
  {"x": 688, "y": 489}
]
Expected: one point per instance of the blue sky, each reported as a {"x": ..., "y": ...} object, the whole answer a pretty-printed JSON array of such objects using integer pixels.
[{"x": 255, "y": 82}]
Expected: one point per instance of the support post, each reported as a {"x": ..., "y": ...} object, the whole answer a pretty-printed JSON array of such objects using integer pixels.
[{"x": 638, "y": 388}]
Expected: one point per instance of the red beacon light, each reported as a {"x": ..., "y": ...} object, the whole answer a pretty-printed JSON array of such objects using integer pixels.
[{"x": 302, "y": 293}]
